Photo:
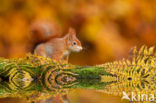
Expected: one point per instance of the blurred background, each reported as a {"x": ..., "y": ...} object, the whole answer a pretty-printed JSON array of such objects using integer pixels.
[{"x": 106, "y": 28}]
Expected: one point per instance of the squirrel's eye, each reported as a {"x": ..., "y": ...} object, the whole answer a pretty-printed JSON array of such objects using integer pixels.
[{"x": 74, "y": 43}]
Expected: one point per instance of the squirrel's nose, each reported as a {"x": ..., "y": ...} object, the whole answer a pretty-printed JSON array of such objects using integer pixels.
[{"x": 80, "y": 48}]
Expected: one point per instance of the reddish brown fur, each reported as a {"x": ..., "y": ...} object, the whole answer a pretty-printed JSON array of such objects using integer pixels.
[{"x": 44, "y": 30}]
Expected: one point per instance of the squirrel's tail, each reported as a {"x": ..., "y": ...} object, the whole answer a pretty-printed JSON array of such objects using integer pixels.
[{"x": 44, "y": 30}]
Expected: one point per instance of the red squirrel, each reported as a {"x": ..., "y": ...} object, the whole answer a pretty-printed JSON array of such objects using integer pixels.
[{"x": 60, "y": 48}]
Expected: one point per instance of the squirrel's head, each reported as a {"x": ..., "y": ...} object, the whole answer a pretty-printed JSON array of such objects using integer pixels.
[{"x": 73, "y": 43}]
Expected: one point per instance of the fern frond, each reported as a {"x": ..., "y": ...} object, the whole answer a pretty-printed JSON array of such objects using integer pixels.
[{"x": 137, "y": 75}]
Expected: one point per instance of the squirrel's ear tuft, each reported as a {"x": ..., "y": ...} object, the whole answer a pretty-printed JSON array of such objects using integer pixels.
[
  {"x": 68, "y": 37},
  {"x": 72, "y": 31}
]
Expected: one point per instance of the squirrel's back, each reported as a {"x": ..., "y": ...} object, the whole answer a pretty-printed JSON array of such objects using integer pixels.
[{"x": 54, "y": 48}]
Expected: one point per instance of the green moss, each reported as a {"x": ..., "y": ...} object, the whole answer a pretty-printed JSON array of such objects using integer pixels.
[{"x": 89, "y": 77}]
